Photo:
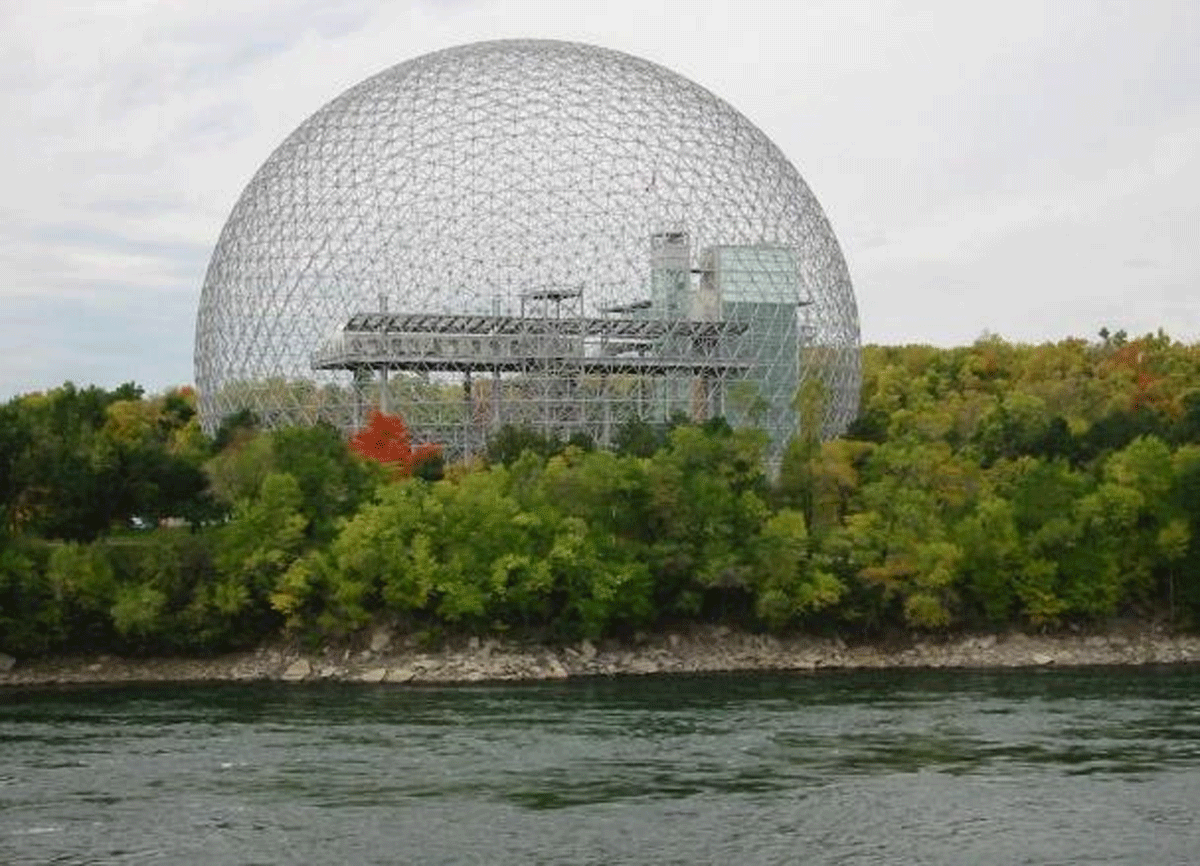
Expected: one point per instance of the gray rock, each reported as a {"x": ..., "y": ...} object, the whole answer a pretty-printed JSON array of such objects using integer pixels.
[
  {"x": 643, "y": 666},
  {"x": 6, "y": 662},
  {"x": 381, "y": 639},
  {"x": 297, "y": 670},
  {"x": 1042, "y": 659},
  {"x": 587, "y": 650},
  {"x": 374, "y": 675},
  {"x": 399, "y": 675}
]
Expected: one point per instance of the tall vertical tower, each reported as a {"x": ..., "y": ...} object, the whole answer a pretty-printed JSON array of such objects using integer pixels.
[
  {"x": 760, "y": 286},
  {"x": 670, "y": 275}
]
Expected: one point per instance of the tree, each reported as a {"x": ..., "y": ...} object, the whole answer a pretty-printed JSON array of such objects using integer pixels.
[
  {"x": 789, "y": 585},
  {"x": 334, "y": 483},
  {"x": 636, "y": 437},
  {"x": 993, "y": 559},
  {"x": 706, "y": 503},
  {"x": 387, "y": 440},
  {"x": 821, "y": 480},
  {"x": 258, "y": 546},
  {"x": 31, "y": 610},
  {"x": 89, "y": 459},
  {"x": 14, "y": 436},
  {"x": 506, "y": 445},
  {"x": 84, "y": 587}
]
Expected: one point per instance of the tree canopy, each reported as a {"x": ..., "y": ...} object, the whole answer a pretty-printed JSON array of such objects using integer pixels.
[{"x": 987, "y": 486}]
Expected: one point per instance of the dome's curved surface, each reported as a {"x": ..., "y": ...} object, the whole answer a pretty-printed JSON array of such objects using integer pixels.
[{"x": 518, "y": 184}]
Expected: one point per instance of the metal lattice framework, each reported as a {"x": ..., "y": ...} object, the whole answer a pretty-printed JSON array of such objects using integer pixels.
[{"x": 533, "y": 233}]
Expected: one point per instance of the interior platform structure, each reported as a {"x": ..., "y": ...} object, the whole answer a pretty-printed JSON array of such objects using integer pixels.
[
  {"x": 550, "y": 368},
  {"x": 720, "y": 339}
]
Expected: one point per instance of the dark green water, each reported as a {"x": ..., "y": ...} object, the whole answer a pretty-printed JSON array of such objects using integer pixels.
[{"x": 1049, "y": 766}]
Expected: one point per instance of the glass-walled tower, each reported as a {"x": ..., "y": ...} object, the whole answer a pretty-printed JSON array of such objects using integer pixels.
[{"x": 759, "y": 286}]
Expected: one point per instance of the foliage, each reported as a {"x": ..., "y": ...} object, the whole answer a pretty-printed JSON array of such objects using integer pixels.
[
  {"x": 387, "y": 440},
  {"x": 74, "y": 463},
  {"x": 987, "y": 486},
  {"x": 510, "y": 442},
  {"x": 790, "y": 585},
  {"x": 30, "y": 615}
]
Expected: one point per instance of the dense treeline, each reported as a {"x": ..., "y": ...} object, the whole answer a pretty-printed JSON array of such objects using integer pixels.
[{"x": 989, "y": 486}]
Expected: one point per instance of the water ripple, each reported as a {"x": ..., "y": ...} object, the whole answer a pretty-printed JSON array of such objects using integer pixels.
[{"x": 1077, "y": 767}]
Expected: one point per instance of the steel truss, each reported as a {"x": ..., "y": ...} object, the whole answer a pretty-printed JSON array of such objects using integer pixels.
[
  {"x": 539, "y": 371},
  {"x": 567, "y": 237}
]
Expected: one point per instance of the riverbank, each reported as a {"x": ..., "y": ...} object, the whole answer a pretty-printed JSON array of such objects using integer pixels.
[{"x": 383, "y": 657}]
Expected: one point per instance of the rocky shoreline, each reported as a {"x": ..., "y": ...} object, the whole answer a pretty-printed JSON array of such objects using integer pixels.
[{"x": 385, "y": 658}]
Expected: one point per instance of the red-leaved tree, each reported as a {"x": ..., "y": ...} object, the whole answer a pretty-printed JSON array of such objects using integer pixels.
[{"x": 386, "y": 439}]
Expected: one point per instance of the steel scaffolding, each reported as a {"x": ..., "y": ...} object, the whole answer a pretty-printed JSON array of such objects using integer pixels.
[
  {"x": 566, "y": 237},
  {"x": 540, "y": 371}
]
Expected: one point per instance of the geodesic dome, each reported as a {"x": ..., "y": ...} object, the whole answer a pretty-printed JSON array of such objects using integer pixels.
[{"x": 533, "y": 233}]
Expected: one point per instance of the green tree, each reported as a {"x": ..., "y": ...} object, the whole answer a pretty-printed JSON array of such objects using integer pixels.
[
  {"x": 707, "y": 503},
  {"x": 508, "y": 443},
  {"x": 993, "y": 561},
  {"x": 383, "y": 556},
  {"x": 84, "y": 588},
  {"x": 789, "y": 586},
  {"x": 334, "y": 483},
  {"x": 31, "y": 610},
  {"x": 264, "y": 538}
]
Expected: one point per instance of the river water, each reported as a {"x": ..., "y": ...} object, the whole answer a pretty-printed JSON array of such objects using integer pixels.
[{"x": 1041, "y": 766}]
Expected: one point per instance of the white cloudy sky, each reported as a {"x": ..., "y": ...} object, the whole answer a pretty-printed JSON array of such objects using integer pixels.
[{"x": 1025, "y": 168}]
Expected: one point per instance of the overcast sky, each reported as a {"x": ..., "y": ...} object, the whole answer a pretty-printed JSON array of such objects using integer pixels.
[{"x": 1029, "y": 169}]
